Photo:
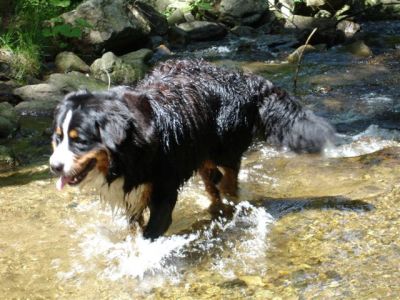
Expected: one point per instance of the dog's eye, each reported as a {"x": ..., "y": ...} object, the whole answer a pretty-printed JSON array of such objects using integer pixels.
[{"x": 79, "y": 140}]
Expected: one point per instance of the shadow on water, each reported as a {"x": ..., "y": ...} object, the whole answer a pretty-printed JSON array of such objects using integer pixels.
[
  {"x": 22, "y": 177},
  {"x": 281, "y": 207}
]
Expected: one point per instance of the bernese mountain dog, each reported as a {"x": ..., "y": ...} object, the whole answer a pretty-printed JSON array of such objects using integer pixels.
[{"x": 138, "y": 145}]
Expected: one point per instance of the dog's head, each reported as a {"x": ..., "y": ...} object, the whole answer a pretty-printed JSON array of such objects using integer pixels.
[
  {"x": 77, "y": 146},
  {"x": 90, "y": 130}
]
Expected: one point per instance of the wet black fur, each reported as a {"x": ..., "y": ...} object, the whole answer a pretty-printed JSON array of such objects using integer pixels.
[{"x": 183, "y": 113}]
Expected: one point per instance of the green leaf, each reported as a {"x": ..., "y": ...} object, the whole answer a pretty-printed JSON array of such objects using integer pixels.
[
  {"x": 75, "y": 32},
  {"x": 47, "y": 32},
  {"x": 67, "y": 30},
  {"x": 57, "y": 20},
  {"x": 204, "y": 5},
  {"x": 60, "y": 3},
  {"x": 82, "y": 23}
]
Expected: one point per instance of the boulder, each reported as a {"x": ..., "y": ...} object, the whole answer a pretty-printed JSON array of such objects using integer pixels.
[
  {"x": 41, "y": 99},
  {"x": 9, "y": 121},
  {"x": 242, "y": 12},
  {"x": 202, "y": 30},
  {"x": 68, "y": 61},
  {"x": 116, "y": 25},
  {"x": 176, "y": 17},
  {"x": 125, "y": 69},
  {"x": 158, "y": 22}
]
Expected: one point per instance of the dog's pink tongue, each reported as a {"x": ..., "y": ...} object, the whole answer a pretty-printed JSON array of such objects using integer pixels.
[{"x": 61, "y": 182}]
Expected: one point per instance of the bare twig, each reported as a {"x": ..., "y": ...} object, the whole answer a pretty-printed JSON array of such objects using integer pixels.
[
  {"x": 300, "y": 57},
  {"x": 108, "y": 77}
]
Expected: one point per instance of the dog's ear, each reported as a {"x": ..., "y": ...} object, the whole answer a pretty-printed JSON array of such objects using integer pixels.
[
  {"x": 112, "y": 123},
  {"x": 142, "y": 114},
  {"x": 130, "y": 118}
]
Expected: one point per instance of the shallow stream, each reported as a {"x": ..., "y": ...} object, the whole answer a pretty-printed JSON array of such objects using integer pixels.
[{"x": 307, "y": 226}]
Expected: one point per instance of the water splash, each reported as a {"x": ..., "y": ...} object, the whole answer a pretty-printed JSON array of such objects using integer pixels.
[
  {"x": 226, "y": 245},
  {"x": 370, "y": 140}
]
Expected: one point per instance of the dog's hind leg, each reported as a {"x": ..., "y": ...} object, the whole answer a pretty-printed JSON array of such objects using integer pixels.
[
  {"x": 211, "y": 176},
  {"x": 161, "y": 206},
  {"x": 228, "y": 186}
]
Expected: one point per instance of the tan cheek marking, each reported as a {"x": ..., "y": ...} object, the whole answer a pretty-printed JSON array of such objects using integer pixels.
[
  {"x": 58, "y": 131},
  {"x": 53, "y": 144},
  {"x": 102, "y": 162},
  {"x": 73, "y": 134},
  {"x": 101, "y": 157}
]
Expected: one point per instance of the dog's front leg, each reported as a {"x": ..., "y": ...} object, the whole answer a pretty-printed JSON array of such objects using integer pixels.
[{"x": 161, "y": 206}]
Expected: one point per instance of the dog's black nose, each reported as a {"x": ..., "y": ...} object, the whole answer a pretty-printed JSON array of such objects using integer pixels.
[{"x": 57, "y": 168}]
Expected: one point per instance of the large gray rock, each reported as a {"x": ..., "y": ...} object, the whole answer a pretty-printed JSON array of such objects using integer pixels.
[
  {"x": 75, "y": 81},
  {"x": 242, "y": 12},
  {"x": 9, "y": 121},
  {"x": 125, "y": 69},
  {"x": 116, "y": 24},
  {"x": 41, "y": 99},
  {"x": 202, "y": 30}
]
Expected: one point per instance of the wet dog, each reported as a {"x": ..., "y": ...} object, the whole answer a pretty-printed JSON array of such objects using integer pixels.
[{"x": 138, "y": 145}]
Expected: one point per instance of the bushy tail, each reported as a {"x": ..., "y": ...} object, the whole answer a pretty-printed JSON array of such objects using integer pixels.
[{"x": 286, "y": 123}]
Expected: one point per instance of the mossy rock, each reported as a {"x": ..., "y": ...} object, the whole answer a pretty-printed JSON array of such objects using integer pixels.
[{"x": 126, "y": 69}]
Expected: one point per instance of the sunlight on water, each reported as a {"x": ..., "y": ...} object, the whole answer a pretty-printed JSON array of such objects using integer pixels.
[{"x": 371, "y": 140}]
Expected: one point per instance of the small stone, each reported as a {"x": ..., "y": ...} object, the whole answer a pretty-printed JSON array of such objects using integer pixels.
[
  {"x": 359, "y": 48},
  {"x": 69, "y": 61},
  {"x": 251, "y": 280}
]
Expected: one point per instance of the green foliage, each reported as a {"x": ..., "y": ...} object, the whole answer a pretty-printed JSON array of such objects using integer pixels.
[
  {"x": 34, "y": 29},
  {"x": 60, "y": 3},
  {"x": 24, "y": 52},
  {"x": 201, "y": 5},
  {"x": 58, "y": 28},
  {"x": 200, "y": 8}
]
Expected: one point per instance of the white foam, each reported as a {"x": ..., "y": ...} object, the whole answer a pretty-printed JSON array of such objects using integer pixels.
[
  {"x": 371, "y": 140},
  {"x": 131, "y": 256}
]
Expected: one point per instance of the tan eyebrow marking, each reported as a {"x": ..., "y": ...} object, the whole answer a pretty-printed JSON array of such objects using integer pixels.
[
  {"x": 73, "y": 134},
  {"x": 58, "y": 131}
]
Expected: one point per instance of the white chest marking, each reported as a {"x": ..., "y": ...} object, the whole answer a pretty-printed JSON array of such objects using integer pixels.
[{"x": 132, "y": 204}]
